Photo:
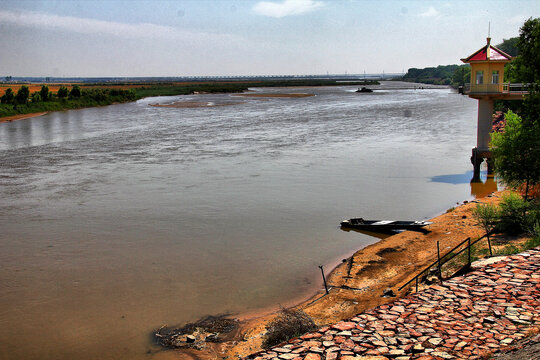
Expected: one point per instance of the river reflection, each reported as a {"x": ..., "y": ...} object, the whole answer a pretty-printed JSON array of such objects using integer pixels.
[
  {"x": 481, "y": 188},
  {"x": 117, "y": 220}
]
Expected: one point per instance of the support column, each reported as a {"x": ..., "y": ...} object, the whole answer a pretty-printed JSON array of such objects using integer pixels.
[
  {"x": 476, "y": 160},
  {"x": 485, "y": 121}
]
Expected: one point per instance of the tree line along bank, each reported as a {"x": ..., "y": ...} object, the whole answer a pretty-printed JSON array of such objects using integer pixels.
[{"x": 76, "y": 97}]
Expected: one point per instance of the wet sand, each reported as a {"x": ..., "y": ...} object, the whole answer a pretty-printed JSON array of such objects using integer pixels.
[
  {"x": 358, "y": 285},
  {"x": 20, "y": 117},
  {"x": 270, "y": 95},
  {"x": 195, "y": 104}
]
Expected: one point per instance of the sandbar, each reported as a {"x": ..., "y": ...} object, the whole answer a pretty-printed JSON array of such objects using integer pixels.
[
  {"x": 20, "y": 117},
  {"x": 271, "y": 95},
  {"x": 195, "y": 104}
]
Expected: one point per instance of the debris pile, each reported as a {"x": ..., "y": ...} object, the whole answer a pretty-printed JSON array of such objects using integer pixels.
[{"x": 196, "y": 335}]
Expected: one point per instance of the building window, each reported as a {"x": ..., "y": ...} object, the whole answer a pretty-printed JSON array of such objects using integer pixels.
[
  {"x": 495, "y": 77},
  {"x": 479, "y": 77}
]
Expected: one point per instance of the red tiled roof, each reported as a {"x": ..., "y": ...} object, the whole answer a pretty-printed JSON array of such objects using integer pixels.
[{"x": 488, "y": 53}]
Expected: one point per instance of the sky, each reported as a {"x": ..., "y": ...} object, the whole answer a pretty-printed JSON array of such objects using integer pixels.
[{"x": 109, "y": 38}]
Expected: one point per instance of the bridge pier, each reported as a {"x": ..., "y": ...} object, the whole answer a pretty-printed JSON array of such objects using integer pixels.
[
  {"x": 484, "y": 124},
  {"x": 477, "y": 158}
]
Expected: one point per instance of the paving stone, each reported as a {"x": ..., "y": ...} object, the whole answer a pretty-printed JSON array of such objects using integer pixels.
[
  {"x": 395, "y": 353},
  {"x": 443, "y": 355},
  {"x": 312, "y": 356},
  {"x": 467, "y": 318},
  {"x": 342, "y": 326},
  {"x": 287, "y": 356}
]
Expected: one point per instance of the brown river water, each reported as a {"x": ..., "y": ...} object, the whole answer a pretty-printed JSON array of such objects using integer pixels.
[{"x": 117, "y": 220}]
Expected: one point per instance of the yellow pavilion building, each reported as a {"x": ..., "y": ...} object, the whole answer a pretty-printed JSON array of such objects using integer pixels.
[{"x": 486, "y": 85}]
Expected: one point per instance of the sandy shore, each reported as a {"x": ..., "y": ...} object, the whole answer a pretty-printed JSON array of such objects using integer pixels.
[
  {"x": 358, "y": 283},
  {"x": 20, "y": 117},
  {"x": 271, "y": 95}
]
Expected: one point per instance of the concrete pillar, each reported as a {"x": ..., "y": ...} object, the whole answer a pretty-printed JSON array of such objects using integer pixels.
[
  {"x": 476, "y": 160},
  {"x": 485, "y": 114}
]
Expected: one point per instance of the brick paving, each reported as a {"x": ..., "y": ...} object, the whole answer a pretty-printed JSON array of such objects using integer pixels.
[{"x": 468, "y": 317}]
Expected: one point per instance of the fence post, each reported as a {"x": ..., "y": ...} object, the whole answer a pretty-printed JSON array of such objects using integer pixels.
[
  {"x": 324, "y": 279},
  {"x": 469, "y": 253},
  {"x": 439, "y": 261}
]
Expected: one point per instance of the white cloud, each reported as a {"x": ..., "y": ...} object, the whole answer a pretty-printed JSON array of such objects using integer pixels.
[
  {"x": 100, "y": 27},
  {"x": 286, "y": 8},
  {"x": 431, "y": 12}
]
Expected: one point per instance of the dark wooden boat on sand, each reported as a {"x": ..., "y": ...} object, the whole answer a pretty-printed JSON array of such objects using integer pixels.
[{"x": 383, "y": 225}]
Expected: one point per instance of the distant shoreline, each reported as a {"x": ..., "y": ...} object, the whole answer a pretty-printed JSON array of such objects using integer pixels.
[{"x": 139, "y": 91}]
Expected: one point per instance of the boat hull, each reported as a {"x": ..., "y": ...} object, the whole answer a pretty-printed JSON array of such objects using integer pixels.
[{"x": 383, "y": 225}]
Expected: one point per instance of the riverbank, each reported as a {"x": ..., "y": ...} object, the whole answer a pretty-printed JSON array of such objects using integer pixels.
[
  {"x": 493, "y": 308},
  {"x": 20, "y": 117},
  {"x": 358, "y": 283},
  {"x": 92, "y": 95}
]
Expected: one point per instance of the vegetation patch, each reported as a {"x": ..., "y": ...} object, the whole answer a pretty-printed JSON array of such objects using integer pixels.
[{"x": 289, "y": 323}]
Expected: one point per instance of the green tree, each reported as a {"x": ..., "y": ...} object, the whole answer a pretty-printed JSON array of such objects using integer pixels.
[
  {"x": 527, "y": 63},
  {"x": 517, "y": 152},
  {"x": 22, "y": 95},
  {"x": 44, "y": 93},
  {"x": 75, "y": 92},
  {"x": 62, "y": 92},
  {"x": 36, "y": 97},
  {"x": 461, "y": 75},
  {"x": 8, "y": 97},
  {"x": 513, "y": 213},
  {"x": 509, "y": 46}
]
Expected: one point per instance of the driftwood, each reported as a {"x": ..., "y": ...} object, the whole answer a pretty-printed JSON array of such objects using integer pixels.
[{"x": 196, "y": 334}]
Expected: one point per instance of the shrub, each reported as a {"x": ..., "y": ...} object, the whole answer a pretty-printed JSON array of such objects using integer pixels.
[
  {"x": 63, "y": 92},
  {"x": 44, "y": 93},
  {"x": 288, "y": 323},
  {"x": 8, "y": 97},
  {"x": 36, "y": 97},
  {"x": 75, "y": 92},
  {"x": 486, "y": 216},
  {"x": 512, "y": 214},
  {"x": 22, "y": 95}
]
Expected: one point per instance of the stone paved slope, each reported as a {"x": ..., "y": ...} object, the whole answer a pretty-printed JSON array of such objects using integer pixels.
[{"x": 467, "y": 317}]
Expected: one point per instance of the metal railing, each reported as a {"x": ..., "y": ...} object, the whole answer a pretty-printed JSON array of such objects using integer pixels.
[
  {"x": 505, "y": 88},
  {"x": 441, "y": 260}
]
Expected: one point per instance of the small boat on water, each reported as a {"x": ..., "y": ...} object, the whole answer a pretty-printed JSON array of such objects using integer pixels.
[
  {"x": 364, "y": 90},
  {"x": 383, "y": 225}
]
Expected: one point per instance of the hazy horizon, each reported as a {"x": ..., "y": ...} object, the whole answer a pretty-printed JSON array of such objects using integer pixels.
[{"x": 246, "y": 38}]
